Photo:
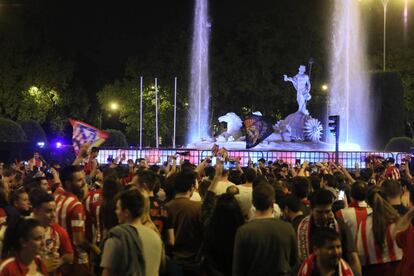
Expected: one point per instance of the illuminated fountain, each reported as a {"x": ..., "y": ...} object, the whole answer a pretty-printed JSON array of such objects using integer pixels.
[
  {"x": 349, "y": 80},
  {"x": 199, "y": 93}
]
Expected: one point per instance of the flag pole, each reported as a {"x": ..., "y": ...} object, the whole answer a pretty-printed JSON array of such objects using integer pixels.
[
  {"x": 156, "y": 113},
  {"x": 140, "y": 113},
  {"x": 175, "y": 110}
]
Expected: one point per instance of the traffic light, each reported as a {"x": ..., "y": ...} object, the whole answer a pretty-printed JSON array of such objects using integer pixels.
[{"x": 334, "y": 125}]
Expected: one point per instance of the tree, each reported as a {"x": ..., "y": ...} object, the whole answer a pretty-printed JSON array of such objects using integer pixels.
[
  {"x": 34, "y": 132},
  {"x": 249, "y": 62},
  {"x": 126, "y": 93},
  {"x": 402, "y": 61},
  {"x": 30, "y": 88},
  {"x": 399, "y": 144},
  {"x": 36, "y": 82},
  {"x": 11, "y": 132},
  {"x": 115, "y": 139}
]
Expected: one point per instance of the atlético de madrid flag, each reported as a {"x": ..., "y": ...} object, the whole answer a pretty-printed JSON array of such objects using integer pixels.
[
  {"x": 84, "y": 133},
  {"x": 257, "y": 129}
]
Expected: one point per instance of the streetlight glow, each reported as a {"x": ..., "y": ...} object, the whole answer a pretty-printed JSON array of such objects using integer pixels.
[
  {"x": 324, "y": 87},
  {"x": 113, "y": 106}
]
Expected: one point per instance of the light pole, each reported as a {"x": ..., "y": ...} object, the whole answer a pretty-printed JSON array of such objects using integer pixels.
[{"x": 384, "y": 4}]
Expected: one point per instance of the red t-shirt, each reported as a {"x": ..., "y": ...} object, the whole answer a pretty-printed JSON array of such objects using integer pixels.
[
  {"x": 405, "y": 240},
  {"x": 70, "y": 215},
  {"x": 13, "y": 267}
]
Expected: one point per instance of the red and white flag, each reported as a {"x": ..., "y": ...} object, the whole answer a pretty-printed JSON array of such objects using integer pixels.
[{"x": 84, "y": 133}]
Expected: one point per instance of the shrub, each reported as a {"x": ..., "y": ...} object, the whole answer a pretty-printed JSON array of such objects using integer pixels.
[
  {"x": 34, "y": 132},
  {"x": 115, "y": 139},
  {"x": 11, "y": 132},
  {"x": 401, "y": 144}
]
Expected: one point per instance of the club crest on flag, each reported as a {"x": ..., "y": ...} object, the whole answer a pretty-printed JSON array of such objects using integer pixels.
[
  {"x": 257, "y": 129},
  {"x": 84, "y": 133}
]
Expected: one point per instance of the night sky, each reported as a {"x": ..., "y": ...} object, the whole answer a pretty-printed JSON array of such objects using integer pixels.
[{"x": 100, "y": 35}]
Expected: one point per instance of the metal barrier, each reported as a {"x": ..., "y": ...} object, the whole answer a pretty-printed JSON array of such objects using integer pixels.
[
  {"x": 292, "y": 156},
  {"x": 159, "y": 156},
  {"x": 403, "y": 156},
  {"x": 349, "y": 158}
]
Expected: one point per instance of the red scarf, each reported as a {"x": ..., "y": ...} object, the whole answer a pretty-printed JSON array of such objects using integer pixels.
[
  {"x": 305, "y": 236},
  {"x": 309, "y": 265}
]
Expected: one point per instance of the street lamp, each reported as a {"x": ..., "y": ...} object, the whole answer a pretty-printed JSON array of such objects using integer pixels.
[
  {"x": 384, "y": 4},
  {"x": 114, "y": 106}
]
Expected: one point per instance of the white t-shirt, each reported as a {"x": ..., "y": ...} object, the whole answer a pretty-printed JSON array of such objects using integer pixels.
[
  {"x": 276, "y": 211},
  {"x": 244, "y": 197},
  {"x": 222, "y": 186}
]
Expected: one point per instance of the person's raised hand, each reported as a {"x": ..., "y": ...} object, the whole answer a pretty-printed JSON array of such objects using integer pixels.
[{"x": 219, "y": 168}]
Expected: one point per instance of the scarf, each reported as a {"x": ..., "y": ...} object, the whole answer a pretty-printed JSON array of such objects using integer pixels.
[
  {"x": 309, "y": 265},
  {"x": 304, "y": 236}
]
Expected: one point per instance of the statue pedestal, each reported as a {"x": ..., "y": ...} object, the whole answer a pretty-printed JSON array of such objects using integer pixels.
[{"x": 297, "y": 121}]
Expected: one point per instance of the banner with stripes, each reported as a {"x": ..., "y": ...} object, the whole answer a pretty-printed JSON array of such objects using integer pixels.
[{"x": 84, "y": 133}]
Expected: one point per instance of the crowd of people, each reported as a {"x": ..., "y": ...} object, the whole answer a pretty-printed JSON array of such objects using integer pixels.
[{"x": 128, "y": 217}]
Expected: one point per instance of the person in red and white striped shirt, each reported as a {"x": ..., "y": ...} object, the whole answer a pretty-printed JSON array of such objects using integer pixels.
[
  {"x": 94, "y": 229},
  {"x": 70, "y": 214},
  {"x": 358, "y": 208},
  {"x": 93, "y": 204},
  {"x": 376, "y": 244},
  {"x": 22, "y": 244},
  {"x": 58, "y": 249},
  {"x": 391, "y": 171}
]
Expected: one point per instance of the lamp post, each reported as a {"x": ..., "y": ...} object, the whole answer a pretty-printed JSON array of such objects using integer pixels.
[
  {"x": 112, "y": 106},
  {"x": 384, "y": 4}
]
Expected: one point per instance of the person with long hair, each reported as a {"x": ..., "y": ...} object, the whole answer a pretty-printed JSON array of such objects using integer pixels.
[
  {"x": 376, "y": 244},
  {"x": 220, "y": 232},
  {"x": 111, "y": 187},
  {"x": 22, "y": 244}
]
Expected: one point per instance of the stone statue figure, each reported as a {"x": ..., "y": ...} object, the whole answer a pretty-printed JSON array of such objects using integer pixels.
[{"x": 302, "y": 85}]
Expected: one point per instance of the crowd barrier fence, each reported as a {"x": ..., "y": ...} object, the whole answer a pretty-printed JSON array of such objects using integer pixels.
[{"x": 160, "y": 155}]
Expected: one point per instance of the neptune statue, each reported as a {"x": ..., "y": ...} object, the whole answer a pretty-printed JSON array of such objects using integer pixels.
[{"x": 302, "y": 85}]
